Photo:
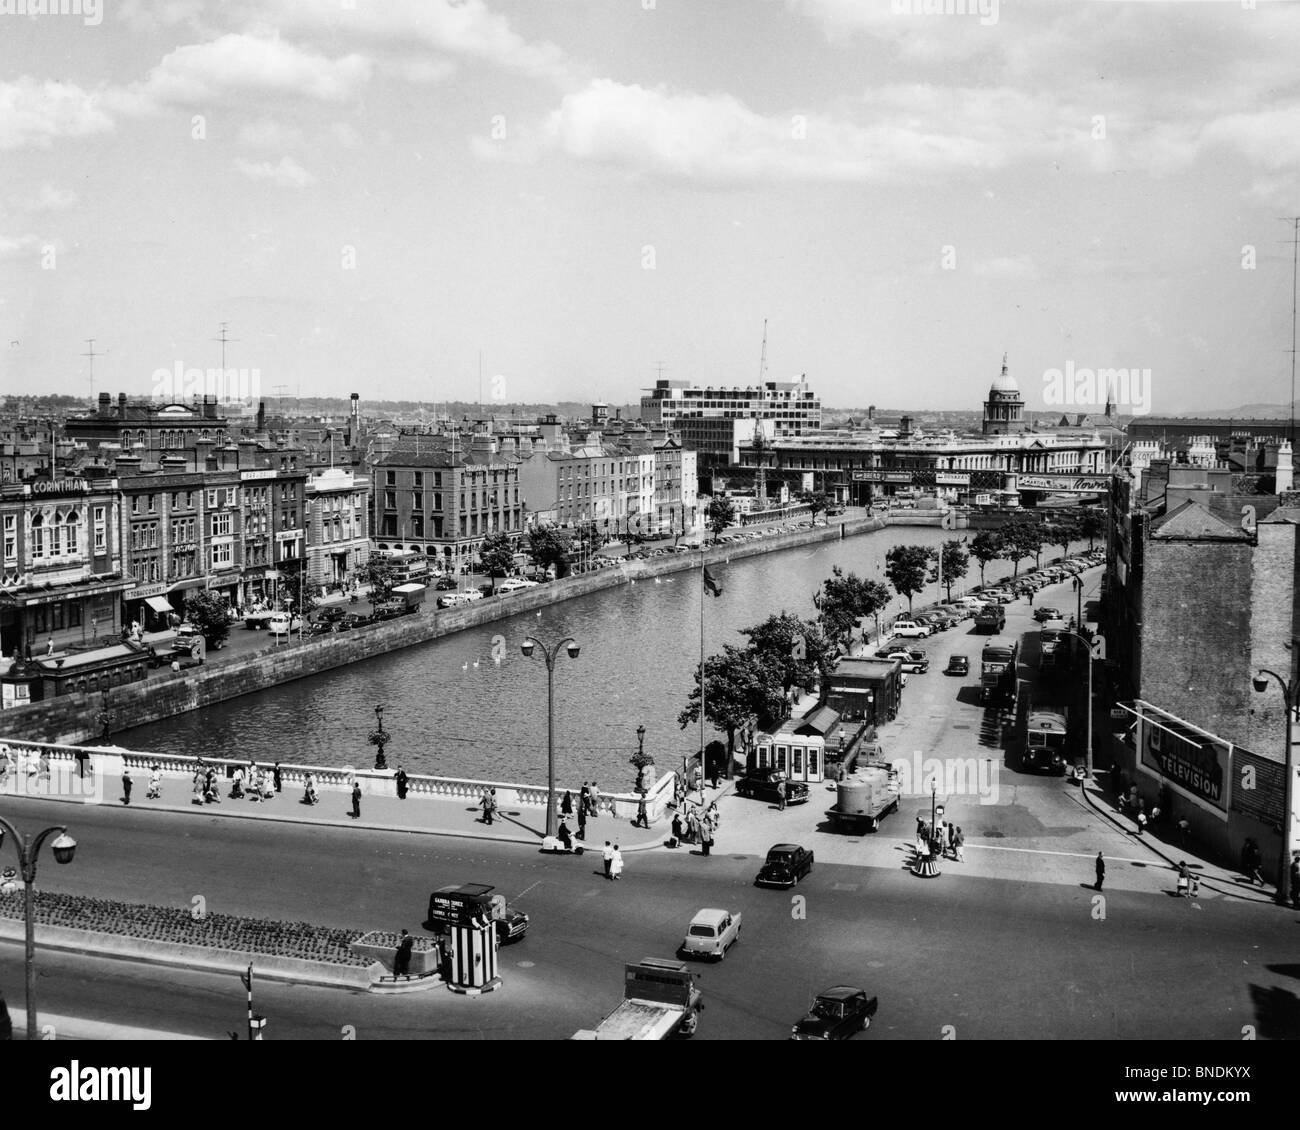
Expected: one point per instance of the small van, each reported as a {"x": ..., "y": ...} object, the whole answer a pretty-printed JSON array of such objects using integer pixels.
[{"x": 911, "y": 629}]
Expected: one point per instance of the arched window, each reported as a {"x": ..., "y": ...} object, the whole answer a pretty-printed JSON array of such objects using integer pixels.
[
  {"x": 70, "y": 527},
  {"x": 38, "y": 535},
  {"x": 126, "y": 440}
]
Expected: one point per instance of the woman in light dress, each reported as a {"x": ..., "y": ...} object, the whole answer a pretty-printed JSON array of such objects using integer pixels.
[{"x": 616, "y": 867}]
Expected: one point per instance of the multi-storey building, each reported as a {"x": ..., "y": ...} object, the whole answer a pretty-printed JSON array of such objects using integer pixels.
[
  {"x": 443, "y": 494},
  {"x": 1202, "y": 591},
  {"x": 147, "y": 428},
  {"x": 60, "y": 564},
  {"x": 716, "y": 421},
  {"x": 338, "y": 529}
]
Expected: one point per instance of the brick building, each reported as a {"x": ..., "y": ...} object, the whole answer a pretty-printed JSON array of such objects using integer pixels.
[{"x": 1201, "y": 592}]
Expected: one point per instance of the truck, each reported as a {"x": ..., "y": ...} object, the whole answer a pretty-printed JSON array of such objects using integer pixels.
[
  {"x": 660, "y": 1000},
  {"x": 992, "y": 618},
  {"x": 1053, "y": 646},
  {"x": 864, "y": 798},
  {"x": 998, "y": 677}
]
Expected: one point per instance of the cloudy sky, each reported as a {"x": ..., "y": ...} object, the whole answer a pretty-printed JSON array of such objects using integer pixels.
[{"x": 371, "y": 193}]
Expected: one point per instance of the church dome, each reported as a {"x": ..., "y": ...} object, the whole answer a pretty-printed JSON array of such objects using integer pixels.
[{"x": 1004, "y": 381}]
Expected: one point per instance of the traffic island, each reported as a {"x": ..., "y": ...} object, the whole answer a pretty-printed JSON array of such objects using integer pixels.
[
  {"x": 423, "y": 970},
  {"x": 297, "y": 952}
]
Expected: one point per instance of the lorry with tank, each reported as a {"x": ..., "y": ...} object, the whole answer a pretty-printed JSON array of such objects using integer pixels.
[
  {"x": 864, "y": 798},
  {"x": 992, "y": 618}
]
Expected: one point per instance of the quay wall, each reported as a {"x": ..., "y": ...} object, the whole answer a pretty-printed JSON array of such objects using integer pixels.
[{"x": 72, "y": 719}]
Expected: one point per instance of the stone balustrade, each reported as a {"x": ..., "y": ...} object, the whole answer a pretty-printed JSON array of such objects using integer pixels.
[{"x": 108, "y": 762}]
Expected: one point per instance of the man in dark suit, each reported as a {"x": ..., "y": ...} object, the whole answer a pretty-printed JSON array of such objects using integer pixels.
[
  {"x": 1101, "y": 872},
  {"x": 402, "y": 962}
]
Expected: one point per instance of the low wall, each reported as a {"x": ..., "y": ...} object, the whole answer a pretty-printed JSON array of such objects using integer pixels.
[
  {"x": 71, "y": 718},
  {"x": 294, "y": 969},
  {"x": 106, "y": 763}
]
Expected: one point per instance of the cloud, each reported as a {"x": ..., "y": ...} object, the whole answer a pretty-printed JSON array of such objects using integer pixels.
[
  {"x": 1005, "y": 267},
  {"x": 907, "y": 132},
  {"x": 13, "y": 248},
  {"x": 203, "y": 73},
  {"x": 286, "y": 174},
  {"x": 460, "y": 28},
  {"x": 265, "y": 133},
  {"x": 35, "y": 114}
]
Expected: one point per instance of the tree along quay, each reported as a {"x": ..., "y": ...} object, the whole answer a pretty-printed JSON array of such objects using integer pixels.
[{"x": 71, "y": 719}]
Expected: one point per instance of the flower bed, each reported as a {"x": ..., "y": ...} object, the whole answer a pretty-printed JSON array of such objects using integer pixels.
[{"x": 167, "y": 925}]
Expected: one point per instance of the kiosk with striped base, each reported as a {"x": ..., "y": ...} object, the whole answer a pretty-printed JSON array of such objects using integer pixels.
[{"x": 473, "y": 958}]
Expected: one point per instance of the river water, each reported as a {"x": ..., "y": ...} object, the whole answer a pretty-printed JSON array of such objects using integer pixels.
[{"x": 471, "y": 705}]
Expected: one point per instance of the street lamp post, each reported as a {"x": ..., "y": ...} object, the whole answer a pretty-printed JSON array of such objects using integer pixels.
[
  {"x": 1078, "y": 589},
  {"x": 380, "y": 738},
  {"x": 1087, "y": 753},
  {"x": 28, "y": 849},
  {"x": 550, "y": 654},
  {"x": 1260, "y": 683}
]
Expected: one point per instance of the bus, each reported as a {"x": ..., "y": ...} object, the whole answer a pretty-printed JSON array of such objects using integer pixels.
[
  {"x": 1046, "y": 729},
  {"x": 404, "y": 565}
]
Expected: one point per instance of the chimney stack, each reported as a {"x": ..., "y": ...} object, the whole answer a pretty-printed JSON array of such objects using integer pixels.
[
  {"x": 121, "y": 405},
  {"x": 105, "y": 404}
]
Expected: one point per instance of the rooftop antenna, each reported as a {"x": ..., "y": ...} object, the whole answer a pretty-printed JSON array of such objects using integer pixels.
[
  {"x": 225, "y": 337},
  {"x": 1294, "y": 221},
  {"x": 762, "y": 361},
  {"x": 279, "y": 391},
  {"x": 90, "y": 341},
  {"x": 659, "y": 370},
  {"x": 480, "y": 382}
]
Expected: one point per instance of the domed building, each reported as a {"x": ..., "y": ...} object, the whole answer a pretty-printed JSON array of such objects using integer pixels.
[{"x": 1004, "y": 411}]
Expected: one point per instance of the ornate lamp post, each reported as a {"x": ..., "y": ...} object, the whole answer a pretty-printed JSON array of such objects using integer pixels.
[
  {"x": 379, "y": 738},
  {"x": 1260, "y": 683},
  {"x": 105, "y": 720},
  {"x": 925, "y": 866},
  {"x": 550, "y": 654},
  {"x": 28, "y": 849}
]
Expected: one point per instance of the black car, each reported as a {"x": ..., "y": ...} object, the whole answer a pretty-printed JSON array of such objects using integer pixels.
[
  {"x": 444, "y": 584},
  {"x": 474, "y": 902},
  {"x": 785, "y": 865},
  {"x": 957, "y": 665},
  {"x": 836, "y": 1015},
  {"x": 330, "y": 615},
  {"x": 762, "y": 785},
  {"x": 355, "y": 620},
  {"x": 1044, "y": 614}
]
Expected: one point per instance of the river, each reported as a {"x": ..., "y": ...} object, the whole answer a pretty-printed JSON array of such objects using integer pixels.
[{"x": 471, "y": 705}]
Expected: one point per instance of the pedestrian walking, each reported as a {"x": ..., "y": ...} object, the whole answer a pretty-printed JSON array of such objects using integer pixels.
[
  {"x": 1252, "y": 859},
  {"x": 1295, "y": 882},
  {"x": 780, "y": 794},
  {"x": 952, "y": 839},
  {"x": 566, "y": 804},
  {"x": 1184, "y": 832},
  {"x": 356, "y": 800},
  {"x": 155, "y": 784},
  {"x": 1184, "y": 880},
  {"x": 401, "y": 781},
  {"x": 594, "y": 800},
  {"x": 197, "y": 798},
  {"x": 584, "y": 798},
  {"x": 959, "y": 846},
  {"x": 1141, "y": 823},
  {"x": 616, "y": 867},
  {"x": 489, "y": 804},
  {"x": 237, "y": 789},
  {"x": 608, "y": 857},
  {"x": 642, "y": 817},
  {"x": 402, "y": 959},
  {"x": 126, "y": 786},
  {"x": 706, "y": 839},
  {"x": 717, "y": 771},
  {"x": 582, "y": 823},
  {"x": 1196, "y": 885},
  {"x": 275, "y": 775},
  {"x": 1101, "y": 872}
]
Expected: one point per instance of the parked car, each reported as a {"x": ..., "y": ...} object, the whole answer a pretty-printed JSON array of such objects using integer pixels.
[
  {"x": 451, "y": 599},
  {"x": 784, "y": 866},
  {"x": 330, "y": 615},
  {"x": 913, "y": 659},
  {"x": 711, "y": 933},
  {"x": 971, "y": 602},
  {"x": 911, "y": 629},
  {"x": 935, "y": 621},
  {"x": 282, "y": 624},
  {"x": 761, "y": 784},
  {"x": 443, "y": 584},
  {"x": 514, "y": 584},
  {"x": 836, "y": 1015},
  {"x": 957, "y": 665},
  {"x": 354, "y": 620},
  {"x": 1048, "y": 613}
]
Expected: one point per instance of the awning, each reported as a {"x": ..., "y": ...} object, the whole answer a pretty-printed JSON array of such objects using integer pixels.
[{"x": 159, "y": 604}]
